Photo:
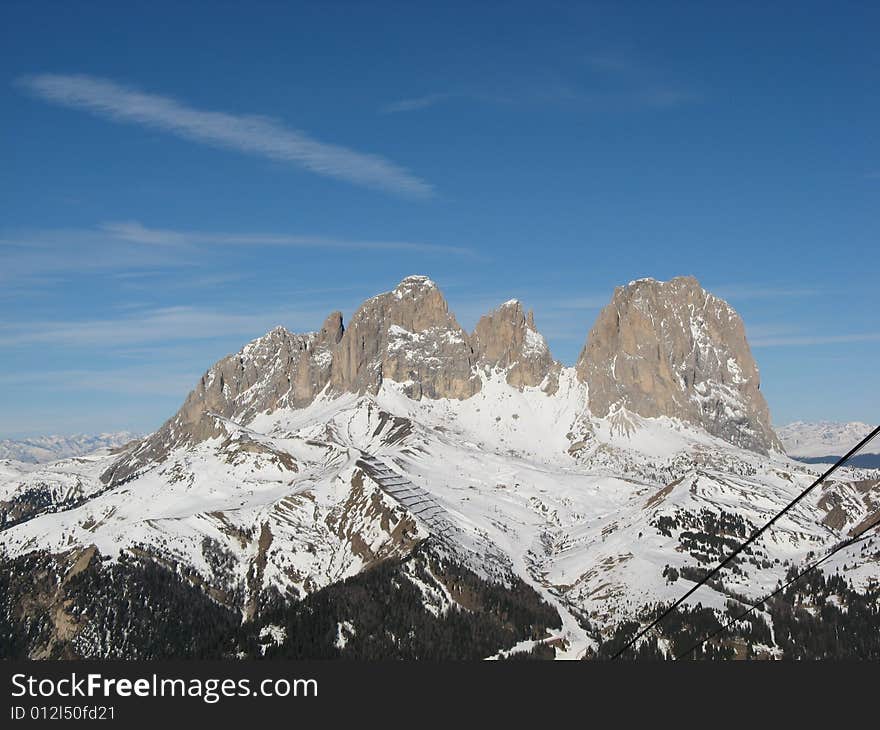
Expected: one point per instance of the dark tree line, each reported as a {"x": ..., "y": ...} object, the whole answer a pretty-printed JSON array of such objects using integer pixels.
[
  {"x": 820, "y": 616},
  {"x": 384, "y": 616},
  {"x": 680, "y": 630},
  {"x": 824, "y": 617},
  {"x": 138, "y": 609},
  {"x": 135, "y": 608}
]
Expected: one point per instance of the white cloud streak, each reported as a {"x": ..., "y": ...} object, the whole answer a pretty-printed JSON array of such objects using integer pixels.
[
  {"x": 255, "y": 135},
  {"x": 157, "y": 325},
  {"x": 417, "y": 103},
  {"x": 134, "y": 232},
  {"x": 148, "y": 380},
  {"x": 34, "y": 260}
]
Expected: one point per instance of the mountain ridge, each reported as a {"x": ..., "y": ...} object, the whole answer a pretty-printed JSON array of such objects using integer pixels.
[
  {"x": 408, "y": 335},
  {"x": 824, "y": 442},
  {"x": 824, "y": 438},
  {"x": 281, "y": 478},
  {"x": 50, "y": 447}
]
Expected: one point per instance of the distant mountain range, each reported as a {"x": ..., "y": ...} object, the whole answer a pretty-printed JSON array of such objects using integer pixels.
[
  {"x": 43, "y": 449},
  {"x": 824, "y": 441}
]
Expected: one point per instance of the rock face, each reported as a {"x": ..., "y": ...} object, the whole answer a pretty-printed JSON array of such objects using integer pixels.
[
  {"x": 672, "y": 349},
  {"x": 658, "y": 349},
  {"x": 277, "y": 370},
  {"x": 407, "y": 335},
  {"x": 507, "y": 339}
]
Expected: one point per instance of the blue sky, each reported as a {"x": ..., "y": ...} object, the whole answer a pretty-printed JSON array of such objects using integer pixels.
[{"x": 180, "y": 177}]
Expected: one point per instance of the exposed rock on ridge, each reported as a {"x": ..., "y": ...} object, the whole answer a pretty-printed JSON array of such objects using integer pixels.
[
  {"x": 658, "y": 349},
  {"x": 672, "y": 349},
  {"x": 507, "y": 338},
  {"x": 279, "y": 369},
  {"x": 407, "y": 335}
]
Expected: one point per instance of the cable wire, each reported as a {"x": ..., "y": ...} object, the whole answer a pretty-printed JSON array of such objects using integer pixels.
[
  {"x": 846, "y": 457},
  {"x": 862, "y": 535}
]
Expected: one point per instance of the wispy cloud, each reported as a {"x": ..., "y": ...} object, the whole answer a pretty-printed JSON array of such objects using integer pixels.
[
  {"x": 664, "y": 97},
  {"x": 142, "y": 380},
  {"x": 36, "y": 259},
  {"x": 621, "y": 97},
  {"x": 417, "y": 103},
  {"x": 636, "y": 83},
  {"x": 147, "y": 280},
  {"x": 134, "y": 232},
  {"x": 250, "y": 134},
  {"x": 157, "y": 325},
  {"x": 611, "y": 62}
]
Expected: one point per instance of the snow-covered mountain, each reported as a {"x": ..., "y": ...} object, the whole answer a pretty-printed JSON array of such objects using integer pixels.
[
  {"x": 825, "y": 438},
  {"x": 42, "y": 449},
  {"x": 467, "y": 476},
  {"x": 827, "y": 441}
]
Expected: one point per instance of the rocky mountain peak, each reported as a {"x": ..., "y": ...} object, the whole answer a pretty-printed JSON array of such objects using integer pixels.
[
  {"x": 407, "y": 335},
  {"x": 332, "y": 329},
  {"x": 506, "y": 338},
  {"x": 415, "y": 284},
  {"x": 279, "y": 369},
  {"x": 672, "y": 349},
  {"x": 658, "y": 349},
  {"x": 417, "y": 304}
]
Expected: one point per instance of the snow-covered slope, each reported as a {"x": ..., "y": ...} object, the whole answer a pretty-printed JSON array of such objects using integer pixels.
[
  {"x": 42, "y": 449},
  {"x": 588, "y": 511},
  {"x": 257, "y": 495}
]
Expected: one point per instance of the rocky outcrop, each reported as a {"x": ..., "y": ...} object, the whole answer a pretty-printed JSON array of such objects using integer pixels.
[
  {"x": 658, "y": 349},
  {"x": 508, "y": 340},
  {"x": 409, "y": 336},
  {"x": 280, "y": 369},
  {"x": 672, "y": 349},
  {"x": 406, "y": 335}
]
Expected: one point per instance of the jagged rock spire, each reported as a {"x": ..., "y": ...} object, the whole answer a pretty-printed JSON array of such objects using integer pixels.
[
  {"x": 407, "y": 335},
  {"x": 506, "y": 338},
  {"x": 658, "y": 349}
]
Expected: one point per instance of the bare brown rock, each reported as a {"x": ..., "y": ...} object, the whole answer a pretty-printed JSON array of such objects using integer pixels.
[
  {"x": 658, "y": 349},
  {"x": 672, "y": 349},
  {"x": 407, "y": 335},
  {"x": 280, "y": 369},
  {"x": 507, "y": 339}
]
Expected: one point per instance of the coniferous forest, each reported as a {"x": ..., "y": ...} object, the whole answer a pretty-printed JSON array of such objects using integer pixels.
[{"x": 135, "y": 608}]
